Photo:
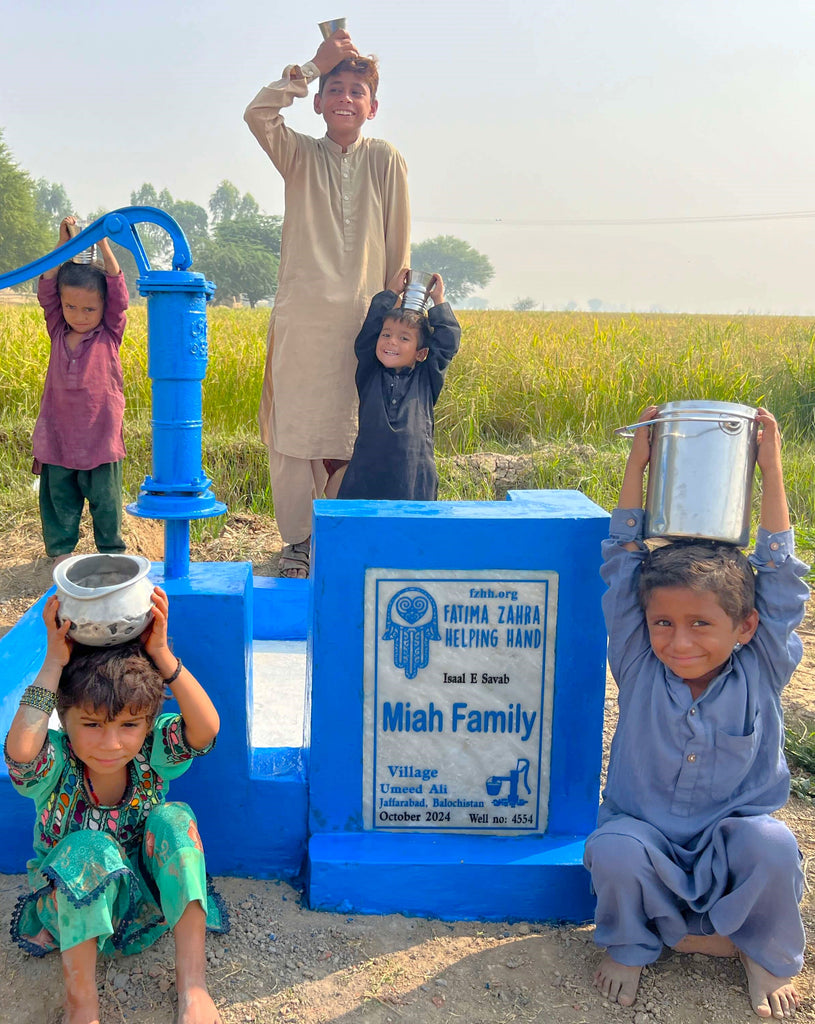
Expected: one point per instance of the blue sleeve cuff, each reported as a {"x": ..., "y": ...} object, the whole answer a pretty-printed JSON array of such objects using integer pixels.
[
  {"x": 626, "y": 525},
  {"x": 441, "y": 312},
  {"x": 773, "y": 548}
]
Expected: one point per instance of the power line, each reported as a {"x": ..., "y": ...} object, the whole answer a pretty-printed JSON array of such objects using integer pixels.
[{"x": 732, "y": 218}]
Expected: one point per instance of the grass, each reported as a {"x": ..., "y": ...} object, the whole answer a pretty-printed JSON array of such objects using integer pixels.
[
  {"x": 799, "y": 748},
  {"x": 549, "y": 386},
  {"x": 552, "y": 386}
]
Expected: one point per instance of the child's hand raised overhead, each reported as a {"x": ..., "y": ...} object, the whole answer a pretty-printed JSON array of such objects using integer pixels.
[
  {"x": 59, "y": 644},
  {"x": 769, "y": 440},
  {"x": 436, "y": 291},
  {"x": 154, "y": 637},
  {"x": 64, "y": 225},
  {"x": 398, "y": 282},
  {"x": 64, "y": 236},
  {"x": 775, "y": 515},
  {"x": 30, "y": 725},
  {"x": 638, "y": 458},
  {"x": 201, "y": 722},
  {"x": 338, "y": 47},
  {"x": 641, "y": 445}
]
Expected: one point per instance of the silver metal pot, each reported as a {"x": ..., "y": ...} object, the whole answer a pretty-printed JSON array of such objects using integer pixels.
[
  {"x": 106, "y": 597},
  {"x": 700, "y": 477}
]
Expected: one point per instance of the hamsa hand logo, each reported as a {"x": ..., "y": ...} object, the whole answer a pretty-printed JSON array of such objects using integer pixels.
[{"x": 411, "y": 622}]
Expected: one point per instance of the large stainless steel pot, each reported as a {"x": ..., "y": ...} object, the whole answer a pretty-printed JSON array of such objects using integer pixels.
[{"x": 700, "y": 477}]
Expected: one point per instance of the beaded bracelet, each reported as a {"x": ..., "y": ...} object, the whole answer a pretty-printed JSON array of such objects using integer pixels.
[
  {"x": 40, "y": 698},
  {"x": 175, "y": 675}
]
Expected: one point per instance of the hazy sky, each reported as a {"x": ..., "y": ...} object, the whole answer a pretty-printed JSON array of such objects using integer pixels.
[{"x": 558, "y": 142}]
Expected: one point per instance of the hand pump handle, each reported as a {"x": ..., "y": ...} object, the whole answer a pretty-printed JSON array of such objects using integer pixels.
[{"x": 120, "y": 227}]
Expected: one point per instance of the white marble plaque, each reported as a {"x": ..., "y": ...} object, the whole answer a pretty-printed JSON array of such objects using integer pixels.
[{"x": 458, "y": 690}]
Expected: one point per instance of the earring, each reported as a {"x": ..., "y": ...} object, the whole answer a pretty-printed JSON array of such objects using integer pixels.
[{"x": 737, "y": 647}]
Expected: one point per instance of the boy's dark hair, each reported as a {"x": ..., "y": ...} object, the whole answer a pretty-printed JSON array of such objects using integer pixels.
[
  {"x": 367, "y": 68},
  {"x": 82, "y": 275},
  {"x": 721, "y": 569},
  {"x": 411, "y": 318},
  {"x": 111, "y": 679}
]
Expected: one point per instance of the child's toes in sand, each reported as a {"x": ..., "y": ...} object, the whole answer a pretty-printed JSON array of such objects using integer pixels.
[
  {"x": 770, "y": 996},
  {"x": 617, "y": 982}
]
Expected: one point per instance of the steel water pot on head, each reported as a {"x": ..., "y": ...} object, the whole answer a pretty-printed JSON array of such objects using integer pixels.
[
  {"x": 700, "y": 475},
  {"x": 108, "y": 598}
]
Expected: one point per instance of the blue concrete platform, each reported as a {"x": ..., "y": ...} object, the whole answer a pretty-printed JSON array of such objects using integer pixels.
[
  {"x": 256, "y": 793},
  {"x": 354, "y": 867},
  {"x": 451, "y": 877},
  {"x": 294, "y": 804}
]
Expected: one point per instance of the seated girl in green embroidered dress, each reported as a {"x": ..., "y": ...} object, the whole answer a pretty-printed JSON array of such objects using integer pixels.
[{"x": 114, "y": 865}]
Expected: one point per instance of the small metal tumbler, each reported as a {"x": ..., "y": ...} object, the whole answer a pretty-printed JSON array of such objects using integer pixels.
[
  {"x": 328, "y": 28},
  {"x": 87, "y": 255},
  {"x": 417, "y": 292}
]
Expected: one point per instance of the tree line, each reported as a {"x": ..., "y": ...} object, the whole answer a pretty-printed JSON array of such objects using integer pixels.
[{"x": 233, "y": 243}]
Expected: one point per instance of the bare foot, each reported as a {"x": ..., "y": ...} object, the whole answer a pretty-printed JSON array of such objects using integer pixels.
[
  {"x": 710, "y": 945},
  {"x": 81, "y": 1013},
  {"x": 44, "y": 939},
  {"x": 79, "y": 972},
  {"x": 770, "y": 996},
  {"x": 617, "y": 982},
  {"x": 195, "y": 1006}
]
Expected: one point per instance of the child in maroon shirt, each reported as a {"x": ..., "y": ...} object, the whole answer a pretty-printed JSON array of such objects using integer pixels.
[{"x": 78, "y": 442}]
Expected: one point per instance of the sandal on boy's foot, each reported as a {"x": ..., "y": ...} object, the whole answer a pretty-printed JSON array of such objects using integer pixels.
[{"x": 294, "y": 560}]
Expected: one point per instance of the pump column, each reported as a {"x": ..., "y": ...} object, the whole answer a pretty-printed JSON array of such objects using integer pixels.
[{"x": 178, "y": 490}]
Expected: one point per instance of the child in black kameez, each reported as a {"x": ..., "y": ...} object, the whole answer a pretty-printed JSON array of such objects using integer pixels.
[{"x": 402, "y": 358}]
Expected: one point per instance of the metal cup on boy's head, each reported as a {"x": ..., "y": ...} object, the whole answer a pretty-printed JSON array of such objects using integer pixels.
[
  {"x": 87, "y": 255},
  {"x": 328, "y": 28},
  {"x": 700, "y": 474},
  {"x": 417, "y": 291}
]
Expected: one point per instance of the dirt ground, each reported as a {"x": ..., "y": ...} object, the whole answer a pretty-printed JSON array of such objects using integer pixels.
[{"x": 285, "y": 964}]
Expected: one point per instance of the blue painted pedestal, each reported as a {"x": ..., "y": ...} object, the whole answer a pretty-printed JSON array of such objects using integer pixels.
[
  {"x": 536, "y": 876},
  {"x": 267, "y": 812},
  {"x": 250, "y": 802}
]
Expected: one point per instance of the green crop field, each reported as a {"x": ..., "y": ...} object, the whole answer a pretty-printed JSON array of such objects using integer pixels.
[{"x": 549, "y": 385}]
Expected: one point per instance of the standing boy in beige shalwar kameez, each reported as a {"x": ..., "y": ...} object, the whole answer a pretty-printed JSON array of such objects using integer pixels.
[{"x": 346, "y": 232}]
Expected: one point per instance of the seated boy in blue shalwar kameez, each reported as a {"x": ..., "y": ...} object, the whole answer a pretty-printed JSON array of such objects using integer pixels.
[{"x": 686, "y": 853}]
